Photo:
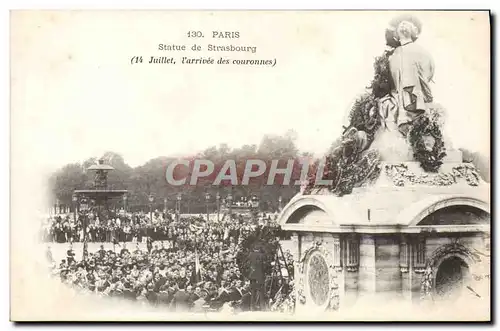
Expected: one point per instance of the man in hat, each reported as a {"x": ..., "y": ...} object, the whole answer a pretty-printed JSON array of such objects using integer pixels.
[
  {"x": 70, "y": 255},
  {"x": 151, "y": 295},
  {"x": 246, "y": 297},
  {"x": 257, "y": 277},
  {"x": 180, "y": 301},
  {"x": 235, "y": 292},
  {"x": 192, "y": 295},
  {"x": 128, "y": 291},
  {"x": 163, "y": 296}
]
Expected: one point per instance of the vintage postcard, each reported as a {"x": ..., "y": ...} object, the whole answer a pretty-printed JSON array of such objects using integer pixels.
[{"x": 250, "y": 165}]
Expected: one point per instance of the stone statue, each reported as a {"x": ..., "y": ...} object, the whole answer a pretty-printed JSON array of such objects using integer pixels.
[
  {"x": 395, "y": 121},
  {"x": 100, "y": 179},
  {"x": 412, "y": 70}
]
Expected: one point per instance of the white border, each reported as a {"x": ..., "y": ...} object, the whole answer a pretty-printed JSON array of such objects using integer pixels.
[{"x": 178, "y": 4}]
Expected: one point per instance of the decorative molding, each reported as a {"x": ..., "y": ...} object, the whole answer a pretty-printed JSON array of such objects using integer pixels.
[
  {"x": 429, "y": 271},
  {"x": 352, "y": 268},
  {"x": 351, "y": 253},
  {"x": 402, "y": 176},
  {"x": 301, "y": 267},
  {"x": 404, "y": 255},
  {"x": 419, "y": 253}
]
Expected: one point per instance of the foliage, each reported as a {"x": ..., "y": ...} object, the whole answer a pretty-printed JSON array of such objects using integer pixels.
[
  {"x": 264, "y": 238},
  {"x": 346, "y": 164},
  {"x": 430, "y": 157},
  {"x": 382, "y": 83},
  {"x": 364, "y": 115},
  {"x": 149, "y": 178}
]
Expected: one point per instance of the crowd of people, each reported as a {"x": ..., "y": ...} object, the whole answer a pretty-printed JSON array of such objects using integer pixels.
[
  {"x": 187, "y": 264},
  {"x": 136, "y": 227}
]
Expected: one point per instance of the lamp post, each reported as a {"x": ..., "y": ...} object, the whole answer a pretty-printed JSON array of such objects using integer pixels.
[
  {"x": 84, "y": 220},
  {"x": 230, "y": 199},
  {"x": 151, "y": 199},
  {"x": 179, "y": 198},
  {"x": 165, "y": 200},
  {"x": 75, "y": 200},
  {"x": 207, "y": 198},
  {"x": 217, "y": 198},
  {"x": 124, "y": 203}
]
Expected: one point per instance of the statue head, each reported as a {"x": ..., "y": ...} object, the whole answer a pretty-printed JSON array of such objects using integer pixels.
[
  {"x": 404, "y": 27},
  {"x": 406, "y": 30}
]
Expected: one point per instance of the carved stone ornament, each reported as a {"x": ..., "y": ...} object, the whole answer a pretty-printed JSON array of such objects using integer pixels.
[
  {"x": 432, "y": 265},
  {"x": 402, "y": 176},
  {"x": 352, "y": 268},
  {"x": 317, "y": 262}
]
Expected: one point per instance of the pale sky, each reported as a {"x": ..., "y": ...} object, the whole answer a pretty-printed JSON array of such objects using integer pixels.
[{"x": 75, "y": 94}]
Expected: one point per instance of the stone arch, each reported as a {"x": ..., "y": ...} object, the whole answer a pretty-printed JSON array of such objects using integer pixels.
[
  {"x": 456, "y": 215},
  {"x": 299, "y": 214},
  {"x": 416, "y": 212},
  {"x": 428, "y": 282},
  {"x": 301, "y": 206},
  {"x": 327, "y": 212}
]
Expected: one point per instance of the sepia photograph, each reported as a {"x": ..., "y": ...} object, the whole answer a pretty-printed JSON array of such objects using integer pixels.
[{"x": 214, "y": 165}]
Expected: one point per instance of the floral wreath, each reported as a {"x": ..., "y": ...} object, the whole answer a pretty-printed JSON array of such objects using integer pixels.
[{"x": 422, "y": 128}]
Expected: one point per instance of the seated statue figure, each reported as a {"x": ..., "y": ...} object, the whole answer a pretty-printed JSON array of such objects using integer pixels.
[
  {"x": 412, "y": 70},
  {"x": 388, "y": 140}
]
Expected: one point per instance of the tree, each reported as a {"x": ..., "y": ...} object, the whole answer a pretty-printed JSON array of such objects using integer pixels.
[
  {"x": 149, "y": 178},
  {"x": 64, "y": 181}
]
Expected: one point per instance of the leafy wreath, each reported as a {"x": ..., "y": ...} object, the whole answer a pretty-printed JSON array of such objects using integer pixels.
[
  {"x": 263, "y": 238},
  {"x": 345, "y": 164},
  {"x": 421, "y": 128}
]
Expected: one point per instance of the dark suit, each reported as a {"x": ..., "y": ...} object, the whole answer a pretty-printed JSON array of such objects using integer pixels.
[
  {"x": 255, "y": 260},
  {"x": 152, "y": 297},
  {"x": 129, "y": 294},
  {"x": 163, "y": 298},
  {"x": 180, "y": 302},
  {"x": 192, "y": 298},
  {"x": 246, "y": 301},
  {"x": 159, "y": 284},
  {"x": 234, "y": 294},
  {"x": 221, "y": 298},
  {"x": 257, "y": 280}
]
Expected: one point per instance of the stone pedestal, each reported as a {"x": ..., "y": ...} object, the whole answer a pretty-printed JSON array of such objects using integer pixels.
[{"x": 385, "y": 241}]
